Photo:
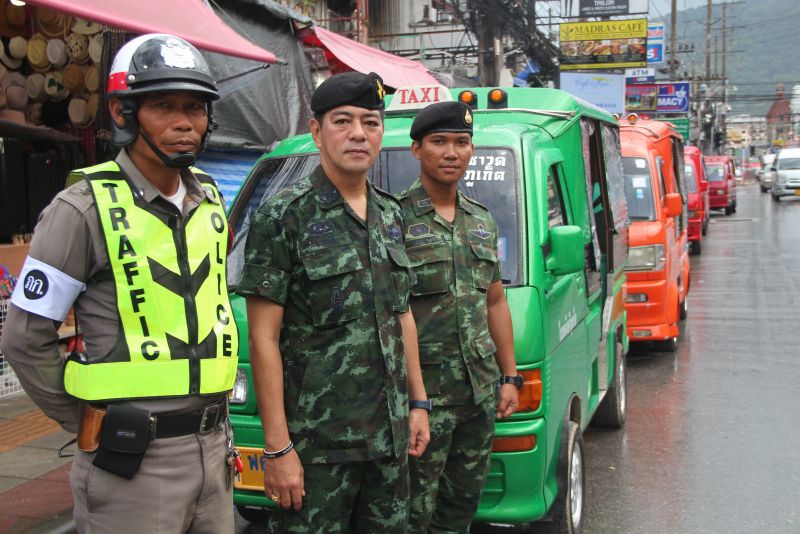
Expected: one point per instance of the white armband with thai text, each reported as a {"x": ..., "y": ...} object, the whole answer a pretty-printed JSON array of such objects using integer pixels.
[{"x": 45, "y": 291}]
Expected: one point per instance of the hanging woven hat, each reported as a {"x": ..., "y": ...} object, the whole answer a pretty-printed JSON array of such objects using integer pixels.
[
  {"x": 86, "y": 27},
  {"x": 8, "y": 61},
  {"x": 78, "y": 112},
  {"x": 57, "y": 52},
  {"x": 12, "y": 19},
  {"x": 96, "y": 48},
  {"x": 92, "y": 79},
  {"x": 54, "y": 86},
  {"x": 92, "y": 105},
  {"x": 3, "y": 72},
  {"x": 16, "y": 97},
  {"x": 73, "y": 78},
  {"x": 2, "y": 99},
  {"x": 37, "y": 53},
  {"x": 78, "y": 47},
  {"x": 13, "y": 115},
  {"x": 34, "y": 113},
  {"x": 18, "y": 47},
  {"x": 52, "y": 23},
  {"x": 34, "y": 85},
  {"x": 12, "y": 78}
]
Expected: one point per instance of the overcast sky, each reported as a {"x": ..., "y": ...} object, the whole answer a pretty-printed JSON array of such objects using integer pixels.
[{"x": 663, "y": 6}]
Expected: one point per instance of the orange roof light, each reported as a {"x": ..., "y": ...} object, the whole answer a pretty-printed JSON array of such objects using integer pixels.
[
  {"x": 469, "y": 98},
  {"x": 498, "y": 99},
  {"x": 632, "y": 117}
]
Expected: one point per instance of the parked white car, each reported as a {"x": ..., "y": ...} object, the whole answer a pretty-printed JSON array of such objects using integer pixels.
[{"x": 787, "y": 174}]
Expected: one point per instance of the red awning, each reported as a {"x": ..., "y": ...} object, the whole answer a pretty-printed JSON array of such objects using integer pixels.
[
  {"x": 396, "y": 71},
  {"x": 190, "y": 19}
]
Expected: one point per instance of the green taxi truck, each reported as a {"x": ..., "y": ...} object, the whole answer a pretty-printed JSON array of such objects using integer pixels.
[{"x": 548, "y": 167}]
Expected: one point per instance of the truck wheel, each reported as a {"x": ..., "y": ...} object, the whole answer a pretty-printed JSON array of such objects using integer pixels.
[
  {"x": 567, "y": 510},
  {"x": 696, "y": 247},
  {"x": 612, "y": 409},
  {"x": 776, "y": 198},
  {"x": 257, "y": 516},
  {"x": 728, "y": 210},
  {"x": 705, "y": 227},
  {"x": 667, "y": 345},
  {"x": 683, "y": 309}
]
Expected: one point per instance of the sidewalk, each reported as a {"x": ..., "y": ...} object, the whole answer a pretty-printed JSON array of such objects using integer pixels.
[{"x": 35, "y": 496}]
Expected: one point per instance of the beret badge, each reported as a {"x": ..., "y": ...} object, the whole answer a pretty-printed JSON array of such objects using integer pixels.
[{"x": 467, "y": 117}]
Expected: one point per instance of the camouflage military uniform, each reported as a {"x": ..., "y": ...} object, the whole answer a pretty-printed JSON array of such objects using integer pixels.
[
  {"x": 455, "y": 263},
  {"x": 342, "y": 283}
]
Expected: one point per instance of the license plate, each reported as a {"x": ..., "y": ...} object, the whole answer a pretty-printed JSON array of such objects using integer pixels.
[{"x": 252, "y": 477}]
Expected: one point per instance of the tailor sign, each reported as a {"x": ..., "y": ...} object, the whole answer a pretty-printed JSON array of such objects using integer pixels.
[
  {"x": 601, "y": 8},
  {"x": 673, "y": 97}
]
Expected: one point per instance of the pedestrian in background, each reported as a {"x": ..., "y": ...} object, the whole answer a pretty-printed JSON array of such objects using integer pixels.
[
  {"x": 463, "y": 321},
  {"x": 334, "y": 345},
  {"x": 138, "y": 246}
]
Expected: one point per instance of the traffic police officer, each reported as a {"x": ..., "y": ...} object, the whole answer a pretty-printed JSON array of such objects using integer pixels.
[
  {"x": 463, "y": 319},
  {"x": 334, "y": 349},
  {"x": 138, "y": 247}
]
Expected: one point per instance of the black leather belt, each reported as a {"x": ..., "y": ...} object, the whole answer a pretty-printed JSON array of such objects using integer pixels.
[{"x": 203, "y": 422}]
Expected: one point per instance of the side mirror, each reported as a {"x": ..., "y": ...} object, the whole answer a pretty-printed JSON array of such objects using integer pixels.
[
  {"x": 673, "y": 203},
  {"x": 566, "y": 250}
]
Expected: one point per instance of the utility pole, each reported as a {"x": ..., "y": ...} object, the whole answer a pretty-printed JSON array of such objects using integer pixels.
[
  {"x": 708, "y": 41},
  {"x": 724, "y": 40},
  {"x": 716, "y": 56},
  {"x": 673, "y": 40}
]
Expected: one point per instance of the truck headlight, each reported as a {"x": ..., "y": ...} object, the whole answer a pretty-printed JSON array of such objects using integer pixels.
[
  {"x": 648, "y": 258},
  {"x": 239, "y": 395},
  {"x": 720, "y": 191}
]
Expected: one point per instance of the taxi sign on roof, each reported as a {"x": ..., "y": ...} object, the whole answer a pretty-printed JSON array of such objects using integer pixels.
[{"x": 418, "y": 97}]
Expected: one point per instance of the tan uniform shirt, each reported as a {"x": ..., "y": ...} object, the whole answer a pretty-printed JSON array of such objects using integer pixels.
[{"x": 68, "y": 238}]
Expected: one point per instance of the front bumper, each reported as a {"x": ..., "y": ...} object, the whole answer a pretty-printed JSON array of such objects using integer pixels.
[
  {"x": 651, "y": 320},
  {"x": 720, "y": 201},
  {"x": 785, "y": 189}
]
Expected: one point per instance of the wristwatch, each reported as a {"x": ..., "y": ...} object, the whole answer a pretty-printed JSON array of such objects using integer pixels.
[
  {"x": 426, "y": 405},
  {"x": 517, "y": 380}
]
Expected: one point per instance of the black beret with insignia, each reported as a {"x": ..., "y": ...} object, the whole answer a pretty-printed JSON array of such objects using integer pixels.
[
  {"x": 442, "y": 117},
  {"x": 349, "y": 89}
]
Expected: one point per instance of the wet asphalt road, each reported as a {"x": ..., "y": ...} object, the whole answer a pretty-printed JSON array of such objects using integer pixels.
[{"x": 712, "y": 440}]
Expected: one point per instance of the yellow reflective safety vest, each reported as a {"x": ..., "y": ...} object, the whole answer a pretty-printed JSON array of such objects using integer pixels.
[{"x": 177, "y": 332}]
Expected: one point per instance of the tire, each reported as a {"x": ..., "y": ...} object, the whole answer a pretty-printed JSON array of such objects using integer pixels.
[
  {"x": 613, "y": 407},
  {"x": 667, "y": 345},
  {"x": 776, "y": 198},
  {"x": 696, "y": 248},
  {"x": 734, "y": 206},
  {"x": 683, "y": 309},
  {"x": 704, "y": 229},
  {"x": 567, "y": 510},
  {"x": 728, "y": 210},
  {"x": 257, "y": 516}
]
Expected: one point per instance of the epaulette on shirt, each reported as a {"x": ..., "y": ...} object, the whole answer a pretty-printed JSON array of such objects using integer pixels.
[
  {"x": 388, "y": 196},
  {"x": 284, "y": 198},
  {"x": 474, "y": 202}
]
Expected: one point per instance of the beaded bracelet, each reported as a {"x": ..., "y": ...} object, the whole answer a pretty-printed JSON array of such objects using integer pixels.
[{"x": 277, "y": 454}]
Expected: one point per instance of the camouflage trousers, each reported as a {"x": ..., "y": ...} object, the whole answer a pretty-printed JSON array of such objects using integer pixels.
[
  {"x": 446, "y": 483},
  {"x": 359, "y": 497}
]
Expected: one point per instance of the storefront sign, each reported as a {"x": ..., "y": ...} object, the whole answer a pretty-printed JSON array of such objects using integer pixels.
[
  {"x": 640, "y": 98},
  {"x": 673, "y": 97},
  {"x": 655, "y": 43},
  {"x": 602, "y": 8},
  {"x": 603, "y": 44},
  {"x": 605, "y": 91},
  {"x": 633, "y": 76},
  {"x": 681, "y": 124}
]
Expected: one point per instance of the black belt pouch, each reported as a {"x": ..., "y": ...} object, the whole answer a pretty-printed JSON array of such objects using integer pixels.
[{"x": 123, "y": 441}]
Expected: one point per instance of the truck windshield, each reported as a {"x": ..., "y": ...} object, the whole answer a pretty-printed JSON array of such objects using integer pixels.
[
  {"x": 491, "y": 179},
  {"x": 638, "y": 190},
  {"x": 715, "y": 172},
  {"x": 691, "y": 181},
  {"x": 788, "y": 164}
]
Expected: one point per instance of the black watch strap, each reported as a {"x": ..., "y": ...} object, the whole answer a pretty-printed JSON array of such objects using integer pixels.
[
  {"x": 426, "y": 405},
  {"x": 517, "y": 380}
]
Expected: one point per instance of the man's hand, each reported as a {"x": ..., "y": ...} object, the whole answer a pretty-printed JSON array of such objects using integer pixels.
[
  {"x": 283, "y": 478},
  {"x": 420, "y": 432},
  {"x": 507, "y": 401}
]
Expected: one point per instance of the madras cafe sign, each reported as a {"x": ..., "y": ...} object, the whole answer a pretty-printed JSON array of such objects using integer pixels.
[{"x": 603, "y": 44}]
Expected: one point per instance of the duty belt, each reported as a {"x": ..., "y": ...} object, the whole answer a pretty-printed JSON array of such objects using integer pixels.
[{"x": 202, "y": 422}]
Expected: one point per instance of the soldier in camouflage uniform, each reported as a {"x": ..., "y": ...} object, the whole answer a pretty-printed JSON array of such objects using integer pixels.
[
  {"x": 334, "y": 350},
  {"x": 463, "y": 320}
]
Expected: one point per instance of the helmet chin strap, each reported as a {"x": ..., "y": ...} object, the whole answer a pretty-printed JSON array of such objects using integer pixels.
[{"x": 181, "y": 160}]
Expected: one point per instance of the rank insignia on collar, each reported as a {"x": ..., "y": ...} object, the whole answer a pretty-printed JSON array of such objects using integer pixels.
[
  {"x": 419, "y": 229},
  {"x": 424, "y": 203},
  {"x": 481, "y": 232},
  {"x": 320, "y": 227},
  {"x": 393, "y": 232}
]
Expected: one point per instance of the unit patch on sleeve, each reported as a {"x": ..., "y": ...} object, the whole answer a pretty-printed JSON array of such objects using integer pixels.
[
  {"x": 45, "y": 291},
  {"x": 419, "y": 229}
]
